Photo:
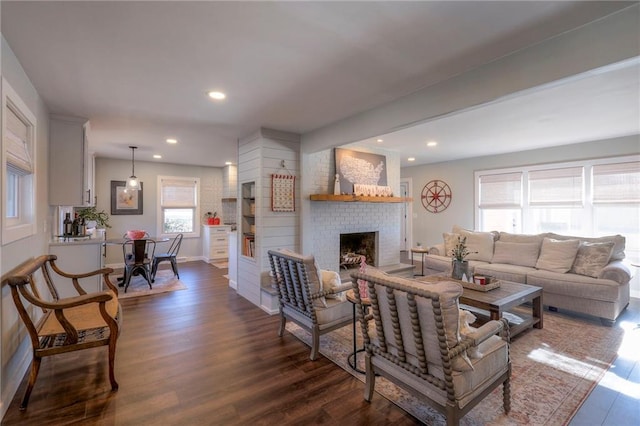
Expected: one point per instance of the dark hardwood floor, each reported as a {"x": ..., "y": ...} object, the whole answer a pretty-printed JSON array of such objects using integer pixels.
[{"x": 201, "y": 356}]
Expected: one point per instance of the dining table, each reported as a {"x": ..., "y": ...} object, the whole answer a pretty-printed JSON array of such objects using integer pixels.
[{"x": 122, "y": 240}]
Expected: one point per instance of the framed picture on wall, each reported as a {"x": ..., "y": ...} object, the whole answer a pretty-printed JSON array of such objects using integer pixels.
[
  {"x": 359, "y": 167},
  {"x": 123, "y": 201}
]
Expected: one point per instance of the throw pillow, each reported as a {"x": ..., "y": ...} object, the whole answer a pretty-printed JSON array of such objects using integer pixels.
[
  {"x": 591, "y": 258},
  {"x": 450, "y": 241},
  {"x": 330, "y": 281},
  {"x": 479, "y": 244},
  {"x": 618, "y": 241},
  {"x": 523, "y": 254},
  {"x": 557, "y": 256}
]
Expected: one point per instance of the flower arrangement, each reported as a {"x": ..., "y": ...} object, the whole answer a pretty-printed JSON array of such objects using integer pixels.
[{"x": 460, "y": 251}]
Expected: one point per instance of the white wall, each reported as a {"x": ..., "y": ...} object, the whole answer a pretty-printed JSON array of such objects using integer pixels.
[
  {"x": 15, "y": 353},
  {"x": 108, "y": 169},
  {"x": 428, "y": 227}
]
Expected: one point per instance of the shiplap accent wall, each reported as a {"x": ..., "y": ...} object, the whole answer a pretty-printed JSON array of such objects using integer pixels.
[
  {"x": 330, "y": 219},
  {"x": 260, "y": 156}
]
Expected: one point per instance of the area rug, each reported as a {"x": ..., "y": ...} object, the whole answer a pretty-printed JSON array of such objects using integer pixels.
[
  {"x": 165, "y": 281},
  {"x": 221, "y": 265},
  {"x": 553, "y": 372}
]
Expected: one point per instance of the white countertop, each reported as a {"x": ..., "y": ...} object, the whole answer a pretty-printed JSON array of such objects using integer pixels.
[{"x": 61, "y": 241}]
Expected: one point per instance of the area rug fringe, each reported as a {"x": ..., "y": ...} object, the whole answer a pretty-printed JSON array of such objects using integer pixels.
[{"x": 553, "y": 372}]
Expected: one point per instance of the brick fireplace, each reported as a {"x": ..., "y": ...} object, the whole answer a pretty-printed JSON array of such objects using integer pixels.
[{"x": 328, "y": 220}]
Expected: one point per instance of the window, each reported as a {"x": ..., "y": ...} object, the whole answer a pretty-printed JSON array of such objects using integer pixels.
[
  {"x": 592, "y": 198},
  {"x": 500, "y": 201},
  {"x": 178, "y": 209},
  {"x": 18, "y": 168}
]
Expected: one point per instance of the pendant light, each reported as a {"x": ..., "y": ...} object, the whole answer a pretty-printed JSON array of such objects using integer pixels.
[{"x": 133, "y": 183}]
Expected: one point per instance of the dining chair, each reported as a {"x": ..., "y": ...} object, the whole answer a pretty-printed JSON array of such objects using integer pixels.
[
  {"x": 169, "y": 256},
  {"x": 138, "y": 255}
]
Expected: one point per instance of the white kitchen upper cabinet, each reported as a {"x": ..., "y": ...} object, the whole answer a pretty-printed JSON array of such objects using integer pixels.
[{"x": 71, "y": 174}]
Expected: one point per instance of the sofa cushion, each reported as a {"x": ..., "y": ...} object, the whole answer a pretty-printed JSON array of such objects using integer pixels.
[
  {"x": 522, "y": 238},
  {"x": 577, "y": 286},
  {"x": 504, "y": 271},
  {"x": 557, "y": 255},
  {"x": 591, "y": 258},
  {"x": 514, "y": 253},
  {"x": 618, "y": 240}
]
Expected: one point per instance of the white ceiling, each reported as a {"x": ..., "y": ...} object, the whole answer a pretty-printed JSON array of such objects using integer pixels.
[{"x": 140, "y": 71}]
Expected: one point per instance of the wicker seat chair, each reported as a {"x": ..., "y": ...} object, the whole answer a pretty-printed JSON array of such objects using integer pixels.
[
  {"x": 84, "y": 321},
  {"x": 411, "y": 336},
  {"x": 302, "y": 297}
]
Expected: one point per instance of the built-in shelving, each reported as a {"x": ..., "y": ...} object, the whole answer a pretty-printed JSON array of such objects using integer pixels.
[
  {"x": 359, "y": 198},
  {"x": 248, "y": 219}
]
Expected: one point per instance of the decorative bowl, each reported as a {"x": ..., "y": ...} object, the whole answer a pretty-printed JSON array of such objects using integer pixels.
[{"x": 136, "y": 234}]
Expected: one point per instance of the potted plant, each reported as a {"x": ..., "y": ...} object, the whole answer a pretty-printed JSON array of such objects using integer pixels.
[
  {"x": 459, "y": 264},
  {"x": 91, "y": 214}
]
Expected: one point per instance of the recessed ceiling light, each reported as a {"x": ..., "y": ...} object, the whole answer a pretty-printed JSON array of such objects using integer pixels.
[
  {"x": 173, "y": 141},
  {"x": 157, "y": 156},
  {"x": 228, "y": 163},
  {"x": 218, "y": 96},
  {"x": 411, "y": 159},
  {"x": 380, "y": 140},
  {"x": 432, "y": 143}
]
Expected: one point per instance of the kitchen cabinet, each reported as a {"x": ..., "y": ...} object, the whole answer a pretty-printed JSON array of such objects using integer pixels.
[
  {"x": 78, "y": 257},
  {"x": 215, "y": 242},
  {"x": 71, "y": 165}
]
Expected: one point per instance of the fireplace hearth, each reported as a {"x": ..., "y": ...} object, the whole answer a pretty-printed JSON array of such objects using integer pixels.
[{"x": 354, "y": 246}]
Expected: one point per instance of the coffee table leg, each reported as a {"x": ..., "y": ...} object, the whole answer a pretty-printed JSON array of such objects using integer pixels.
[{"x": 537, "y": 311}]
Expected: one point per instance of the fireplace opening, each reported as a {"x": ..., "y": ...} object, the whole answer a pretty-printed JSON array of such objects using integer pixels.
[{"x": 354, "y": 246}]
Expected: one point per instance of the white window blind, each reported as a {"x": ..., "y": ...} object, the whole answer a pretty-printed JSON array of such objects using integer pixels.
[
  {"x": 178, "y": 193},
  {"x": 16, "y": 139},
  {"x": 556, "y": 187},
  {"x": 616, "y": 183},
  {"x": 501, "y": 190}
]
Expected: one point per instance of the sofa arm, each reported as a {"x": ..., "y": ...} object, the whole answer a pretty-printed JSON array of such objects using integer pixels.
[
  {"x": 616, "y": 271},
  {"x": 438, "y": 250}
]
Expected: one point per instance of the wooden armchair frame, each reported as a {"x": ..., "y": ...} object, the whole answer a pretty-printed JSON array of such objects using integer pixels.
[{"x": 85, "y": 321}]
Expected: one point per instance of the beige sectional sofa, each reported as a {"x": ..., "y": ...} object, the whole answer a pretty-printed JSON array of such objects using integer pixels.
[{"x": 579, "y": 274}]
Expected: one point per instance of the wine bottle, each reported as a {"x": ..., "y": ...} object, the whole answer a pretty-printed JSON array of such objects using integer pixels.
[
  {"x": 67, "y": 226},
  {"x": 75, "y": 225}
]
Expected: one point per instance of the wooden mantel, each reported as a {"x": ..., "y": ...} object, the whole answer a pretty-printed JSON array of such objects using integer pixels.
[{"x": 359, "y": 198}]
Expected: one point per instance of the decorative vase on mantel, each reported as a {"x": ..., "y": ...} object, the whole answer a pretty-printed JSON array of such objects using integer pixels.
[{"x": 459, "y": 268}]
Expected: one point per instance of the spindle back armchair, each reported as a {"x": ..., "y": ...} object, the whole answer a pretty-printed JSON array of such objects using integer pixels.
[{"x": 411, "y": 336}]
